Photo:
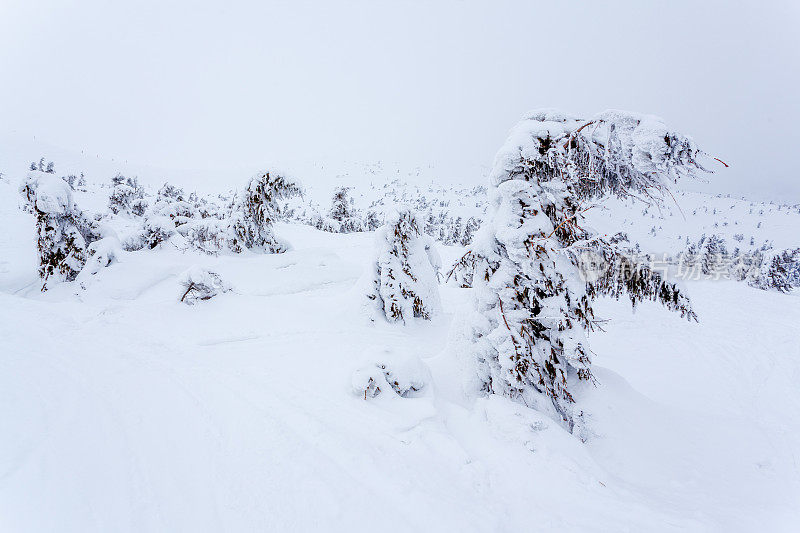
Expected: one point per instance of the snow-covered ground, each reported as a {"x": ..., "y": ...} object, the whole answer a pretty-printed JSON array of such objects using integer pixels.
[{"x": 122, "y": 409}]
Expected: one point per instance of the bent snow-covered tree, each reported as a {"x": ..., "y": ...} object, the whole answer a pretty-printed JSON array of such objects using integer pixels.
[
  {"x": 533, "y": 284},
  {"x": 63, "y": 232},
  {"x": 404, "y": 282},
  {"x": 255, "y": 210}
]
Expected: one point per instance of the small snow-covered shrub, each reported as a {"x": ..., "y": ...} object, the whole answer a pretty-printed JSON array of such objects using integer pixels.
[
  {"x": 243, "y": 221},
  {"x": 405, "y": 375},
  {"x": 154, "y": 231},
  {"x": 170, "y": 202},
  {"x": 762, "y": 268},
  {"x": 208, "y": 207},
  {"x": 76, "y": 183},
  {"x": 157, "y": 229},
  {"x": 63, "y": 232},
  {"x": 405, "y": 271},
  {"x": 372, "y": 220},
  {"x": 455, "y": 231},
  {"x": 470, "y": 227},
  {"x": 343, "y": 212},
  {"x": 712, "y": 253},
  {"x": 792, "y": 262},
  {"x": 80, "y": 184},
  {"x": 198, "y": 284},
  {"x": 776, "y": 270},
  {"x": 170, "y": 192},
  {"x": 41, "y": 166},
  {"x": 209, "y": 235},
  {"x": 102, "y": 253},
  {"x": 127, "y": 196}
]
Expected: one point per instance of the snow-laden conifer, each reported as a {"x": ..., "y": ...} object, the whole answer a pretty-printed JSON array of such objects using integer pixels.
[
  {"x": 254, "y": 211},
  {"x": 343, "y": 211},
  {"x": 63, "y": 232},
  {"x": 713, "y": 254},
  {"x": 774, "y": 269},
  {"x": 404, "y": 274},
  {"x": 470, "y": 227},
  {"x": 533, "y": 301},
  {"x": 372, "y": 220}
]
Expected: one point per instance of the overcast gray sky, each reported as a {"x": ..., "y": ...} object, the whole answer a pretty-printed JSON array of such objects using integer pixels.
[{"x": 212, "y": 84}]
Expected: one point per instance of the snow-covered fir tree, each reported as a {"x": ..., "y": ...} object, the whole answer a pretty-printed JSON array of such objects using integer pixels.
[
  {"x": 343, "y": 211},
  {"x": 713, "y": 254},
  {"x": 533, "y": 302},
  {"x": 791, "y": 259},
  {"x": 404, "y": 274},
  {"x": 63, "y": 232},
  {"x": 773, "y": 269},
  {"x": 454, "y": 231},
  {"x": 255, "y": 209},
  {"x": 372, "y": 220},
  {"x": 470, "y": 227},
  {"x": 42, "y": 166},
  {"x": 80, "y": 184}
]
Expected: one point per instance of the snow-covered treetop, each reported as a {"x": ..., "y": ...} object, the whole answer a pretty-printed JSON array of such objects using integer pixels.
[
  {"x": 264, "y": 189},
  {"x": 47, "y": 192},
  {"x": 616, "y": 152}
]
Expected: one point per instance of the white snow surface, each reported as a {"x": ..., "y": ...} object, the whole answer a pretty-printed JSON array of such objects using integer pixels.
[{"x": 123, "y": 410}]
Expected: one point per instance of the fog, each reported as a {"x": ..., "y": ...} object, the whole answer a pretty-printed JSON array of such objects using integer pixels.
[{"x": 216, "y": 86}]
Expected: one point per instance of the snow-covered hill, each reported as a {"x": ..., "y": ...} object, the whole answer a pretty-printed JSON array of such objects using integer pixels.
[{"x": 123, "y": 409}]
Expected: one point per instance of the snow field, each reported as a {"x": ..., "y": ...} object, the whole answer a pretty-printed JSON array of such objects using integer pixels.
[{"x": 125, "y": 410}]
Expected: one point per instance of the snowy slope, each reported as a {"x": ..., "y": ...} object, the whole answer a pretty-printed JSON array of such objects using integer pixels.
[{"x": 124, "y": 410}]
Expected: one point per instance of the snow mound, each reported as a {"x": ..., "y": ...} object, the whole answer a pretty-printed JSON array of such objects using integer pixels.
[
  {"x": 49, "y": 193},
  {"x": 405, "y": 374},
  {"x": 199, "y": 284}
]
